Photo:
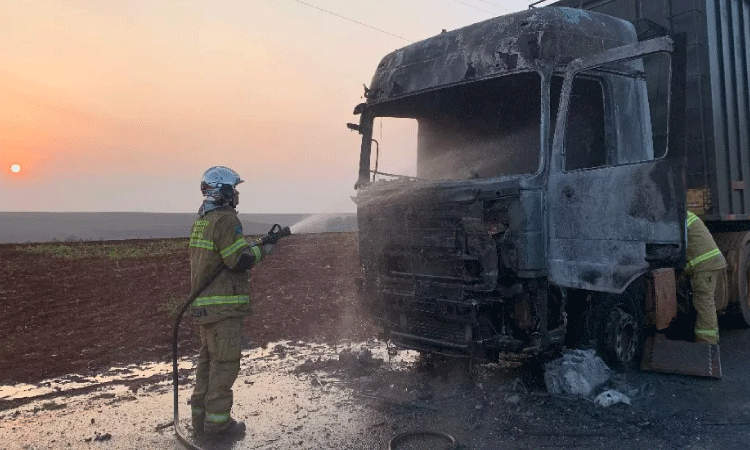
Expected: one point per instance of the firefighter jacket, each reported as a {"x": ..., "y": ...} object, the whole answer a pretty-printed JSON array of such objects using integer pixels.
[
  {"x": 702, "y": 252},
  {"x": 216, "y": 238}
]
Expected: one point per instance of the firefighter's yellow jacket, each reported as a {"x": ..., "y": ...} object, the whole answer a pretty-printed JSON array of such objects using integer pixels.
[
  {"x": 702, "y": 252},
  {"x": 216, "y": 238}
]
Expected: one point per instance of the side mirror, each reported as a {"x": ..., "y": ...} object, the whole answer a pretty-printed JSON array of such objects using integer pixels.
[{"x": 354, "y": 126}]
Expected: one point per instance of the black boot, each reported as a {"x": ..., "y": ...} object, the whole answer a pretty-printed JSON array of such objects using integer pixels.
[
  {"x": 231, "y": 428},
  {"x": 198, "y": 424}
]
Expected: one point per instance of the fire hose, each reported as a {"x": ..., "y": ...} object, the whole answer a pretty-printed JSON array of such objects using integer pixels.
[{"x": 276, "y": 233}]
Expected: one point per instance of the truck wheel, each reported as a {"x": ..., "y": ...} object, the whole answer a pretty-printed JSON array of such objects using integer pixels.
[
  {"x": 742, "y": 281},
  {"x": 621, "y": 335},
  {"x": 736, "y": 249}
]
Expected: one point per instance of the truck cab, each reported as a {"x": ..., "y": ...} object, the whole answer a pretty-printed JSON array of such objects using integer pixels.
[{"x": 542, "y": 187}]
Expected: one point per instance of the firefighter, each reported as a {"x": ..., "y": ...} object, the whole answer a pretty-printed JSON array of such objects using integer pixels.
[
  {"x": 216, "y": 240},
  {"x": 704, "y": 266}
]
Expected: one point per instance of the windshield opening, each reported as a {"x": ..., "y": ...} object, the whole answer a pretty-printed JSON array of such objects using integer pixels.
[{"x": 476, "y": 130}]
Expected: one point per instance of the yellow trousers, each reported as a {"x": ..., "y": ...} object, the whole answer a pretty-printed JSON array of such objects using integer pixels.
[
  {"x": 706, "y": 322},
  {"x": 218, "y": 367}
]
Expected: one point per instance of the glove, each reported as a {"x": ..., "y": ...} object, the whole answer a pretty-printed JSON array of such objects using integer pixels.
[{"x": 268, "y": 249}]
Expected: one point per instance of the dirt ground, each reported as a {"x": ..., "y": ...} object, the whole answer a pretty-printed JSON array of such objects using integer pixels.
[
  {"x": 83, "y": 314},
  {"x": 97, "y": 309}
]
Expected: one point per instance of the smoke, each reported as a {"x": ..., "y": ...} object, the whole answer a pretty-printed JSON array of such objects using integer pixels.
[{"x": 450, "y": 150}]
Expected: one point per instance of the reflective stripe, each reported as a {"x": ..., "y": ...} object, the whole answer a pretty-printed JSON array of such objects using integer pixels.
[
  {"x": 202, "y": 243},
  {"x": 709, "y": 333},
  {"x": 258, "y": 253},
  {"x": 222, "y": 300},
  {"x": 699, "y": 259},
  {"x": 238, "y": 244},
  {"x": 197, "y": 411},
  {"x": 691, "y": 218},
  {"x": 217, "y": 418}
]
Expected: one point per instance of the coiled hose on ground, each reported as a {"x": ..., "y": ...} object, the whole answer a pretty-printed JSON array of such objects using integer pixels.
[{"x": 399, "y": 438}]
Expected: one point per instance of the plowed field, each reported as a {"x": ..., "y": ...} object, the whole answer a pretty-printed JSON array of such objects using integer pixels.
[{"x": 85, "y": 306}]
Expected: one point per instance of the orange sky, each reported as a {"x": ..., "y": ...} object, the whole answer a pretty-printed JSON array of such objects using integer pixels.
[{"x": 120, "y": 105}]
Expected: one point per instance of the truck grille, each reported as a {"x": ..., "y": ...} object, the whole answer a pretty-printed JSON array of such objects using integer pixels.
[{"x": 434, "y": 328}]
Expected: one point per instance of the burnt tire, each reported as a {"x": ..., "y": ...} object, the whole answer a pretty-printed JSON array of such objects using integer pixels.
[
  {"x": 741, "y": 282},
  {"x": 620, "y": 333},
  {"x": 736, "y": 249}
]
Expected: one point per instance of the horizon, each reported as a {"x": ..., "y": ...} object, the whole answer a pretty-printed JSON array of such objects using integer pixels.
[
  {"x": 180, "y": 212},
  {"x": 61, "y": 226},
  {"x": 121, "y": 106}
]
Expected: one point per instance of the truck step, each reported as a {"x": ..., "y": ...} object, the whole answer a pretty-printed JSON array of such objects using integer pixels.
[{"x": 681, "y": 357}]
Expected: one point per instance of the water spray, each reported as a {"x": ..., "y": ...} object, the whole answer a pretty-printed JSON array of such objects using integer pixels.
[{"x": 312, "y": 224}]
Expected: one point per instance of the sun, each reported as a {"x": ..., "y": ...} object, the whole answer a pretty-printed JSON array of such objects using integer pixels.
[{"x": 15, "y": 168}]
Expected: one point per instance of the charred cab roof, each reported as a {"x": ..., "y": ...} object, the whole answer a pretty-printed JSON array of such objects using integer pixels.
[{"x": 536, "y": 39}]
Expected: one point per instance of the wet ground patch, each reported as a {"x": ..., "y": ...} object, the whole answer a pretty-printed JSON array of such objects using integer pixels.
[{"x": 360, "y": 395}]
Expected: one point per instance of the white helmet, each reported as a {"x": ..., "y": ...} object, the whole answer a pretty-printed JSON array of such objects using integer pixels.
[{"x": 218, "y": 184}]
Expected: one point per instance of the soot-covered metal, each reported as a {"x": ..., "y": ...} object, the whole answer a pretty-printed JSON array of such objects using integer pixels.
[
  {"x": 480, "y": 261},
  {"x": 539, "y": 39}
]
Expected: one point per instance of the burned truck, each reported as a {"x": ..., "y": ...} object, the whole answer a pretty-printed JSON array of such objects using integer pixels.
[{"x": 530, "y": 189}]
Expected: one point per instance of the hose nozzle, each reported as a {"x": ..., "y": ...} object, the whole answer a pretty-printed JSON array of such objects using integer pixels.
[{"x": 277, "y": 232}]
